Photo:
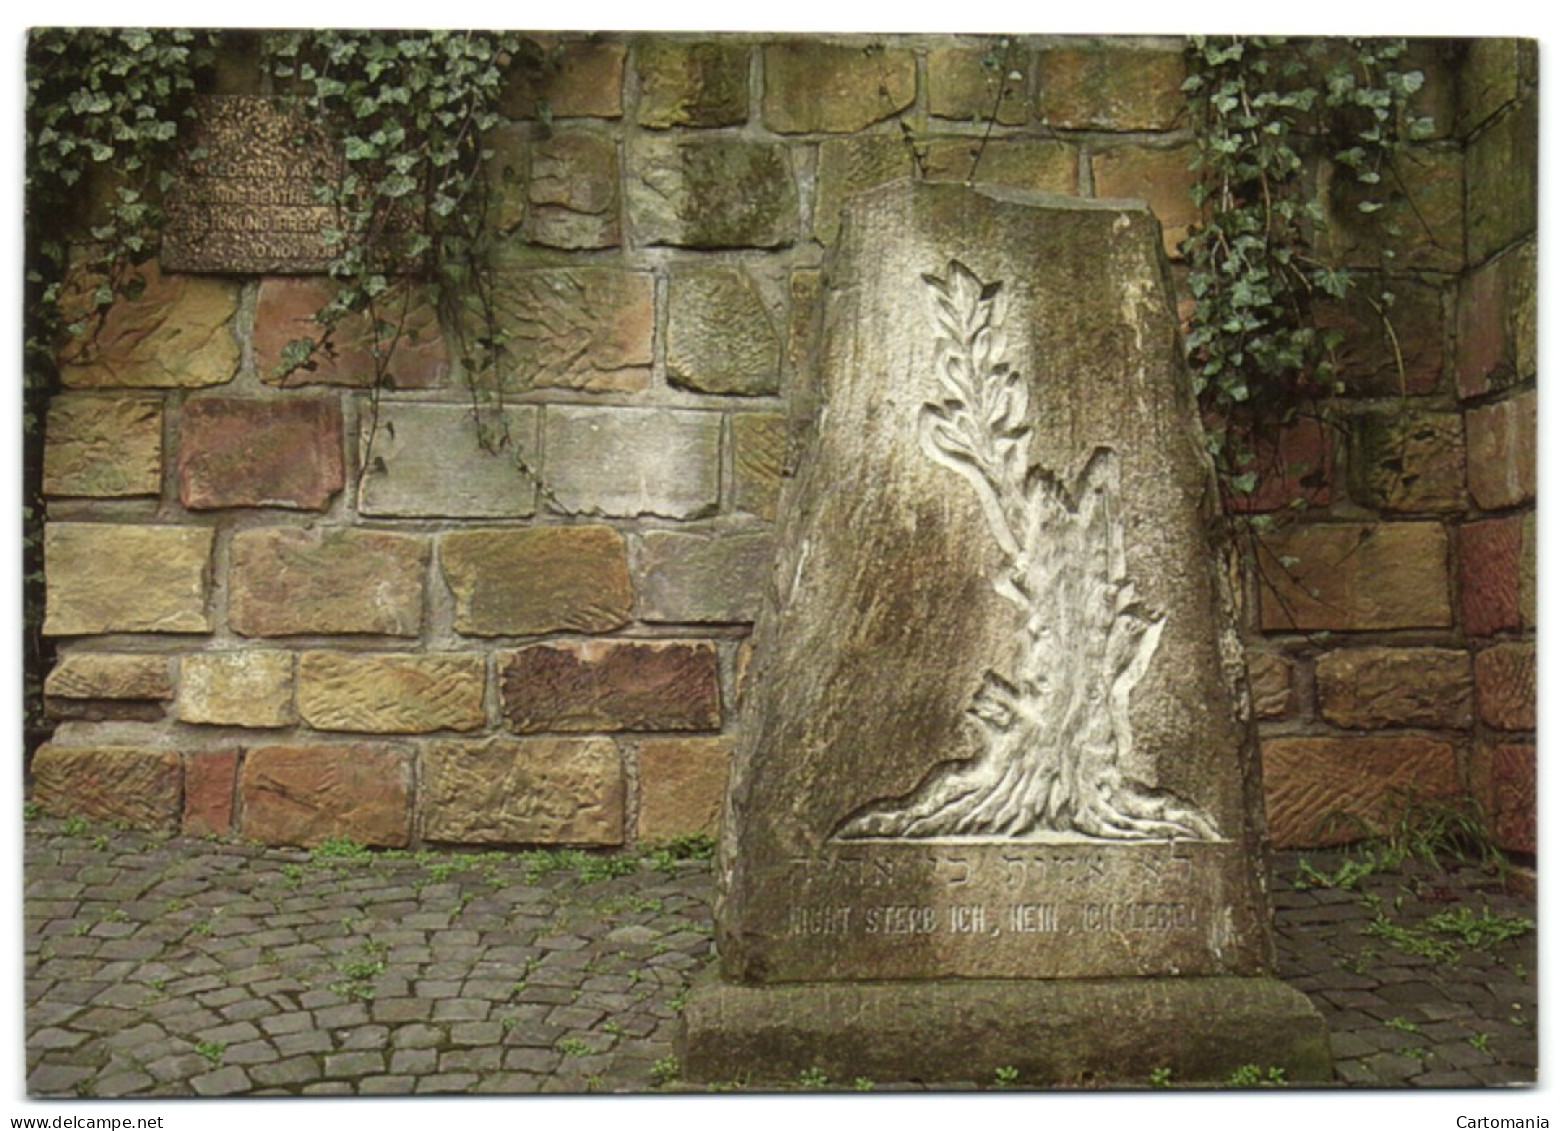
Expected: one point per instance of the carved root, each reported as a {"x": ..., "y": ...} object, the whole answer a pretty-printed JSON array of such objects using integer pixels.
[{"x": 963, "y": 800}]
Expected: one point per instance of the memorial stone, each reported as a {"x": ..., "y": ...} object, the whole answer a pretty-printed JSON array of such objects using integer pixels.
[
  {"x": 246, "y": 199},
  {"x": 996, "y": 798}
]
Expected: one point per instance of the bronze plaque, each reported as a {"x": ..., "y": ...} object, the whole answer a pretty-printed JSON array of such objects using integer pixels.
[{"x": 245, "y": 200}]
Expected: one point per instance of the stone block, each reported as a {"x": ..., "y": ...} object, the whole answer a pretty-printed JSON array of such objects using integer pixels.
[
  {"x": 578, "y": 79},
  {"x": 712, "y": 194},
  {"x": 805, "y": 319},
  {"x": 1162, "y": 178},
  {"x": 1113, "y": 88},
  {"x": 1332, "y": 790},
  {"x": 586, "y": 328},
  {"x": 443, "y": 461},
  {"x": 720, "y": 337},
  {"x": 1527, "y": 572},
  {"x": 758, "y": 441},
  {"x": 1369, "y": 688},
  {"x": 1272, "y": 680},
  {"x": 252, "y": 452},
  {"x": 1505, "y": 783},
  {"x": 525, "y": 582},
  {"x": 1507, "y": 682},
  {"x": 1388, "y": 350},
  {"x": 849, "y": 165},
  {"x": 103, "y": 447},
  {"x": 105, "y": 577},
  {"x": 1025, "y": 163},
  {"x": 384, "y": 693},
  {"x": 1503, "y": 451},
  {"x": 286, "y": 581},
  {"x": 1497, "y": 323},
  {"x": 1405, "y": 460},
  {"x": 632, "y": 462},
  {"x": 210, "y": 785},
  {"x": 1493, "y": 73},
  {"x": 525, "y": 791},
  {"x": 1503, "y": 181},
  {"x": 967, "y": 84},
  {"x": 573, "y": 191},
  {"x": 245, "y": 689},
  {"x": 813, "y": 87},
  {"x": 1292, "y": 462},
  {"x": 1491, "y": 555},
  {"x": 611, "y": 685},
  {"x": 138, "y": 786},
  {"x": 691, "y": 83},
  {"x": 306, "y": 794},
  {"x": 506, "y": 169},
  {"x": 1355, "y": 577},
  {"x": 682, "y": 782},
  {"x": 284, "y": 313},
  {"x": 702, "y": 578},
  {"x": 88, "y": 676},
  {"x": 176, "y": 334},
  {"x": 1422, "y": 226},
  {"x": 1439, "y": 61}
]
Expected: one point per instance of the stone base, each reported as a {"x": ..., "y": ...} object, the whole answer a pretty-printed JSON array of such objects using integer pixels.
[{"x": 1104, "y": 1031}]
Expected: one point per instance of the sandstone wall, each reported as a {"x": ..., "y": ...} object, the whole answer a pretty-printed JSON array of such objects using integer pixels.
[{"x": 287, "y": 614}]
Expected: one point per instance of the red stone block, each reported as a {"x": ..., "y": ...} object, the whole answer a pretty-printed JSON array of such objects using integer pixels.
[
  {"x": 1296, "y": 463},
  {"x": 601, "y": 685},
  {"x": 1333, "y": 789},
  {"x": 240, "y": 452},
  {"x": 307, "y": 794},
  {"x": 1497, "y": 317},
  {"x": 1489, "y": 555},
  {"x": 1505, "y": 781},
  {"x": 209, "y": 778},
  {"x": 284, "y": 313}
]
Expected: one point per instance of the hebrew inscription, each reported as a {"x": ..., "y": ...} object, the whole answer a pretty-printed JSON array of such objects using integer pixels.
[{"x": 1053, "y": 727}]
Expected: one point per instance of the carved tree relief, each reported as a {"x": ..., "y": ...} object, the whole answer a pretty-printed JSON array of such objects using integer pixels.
[{"x": 1055, "y": 728}]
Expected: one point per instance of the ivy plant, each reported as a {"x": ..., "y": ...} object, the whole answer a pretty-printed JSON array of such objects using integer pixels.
[
  {"x": 105, "y": 111},
  {"x": 1265, "y": 113},
  {"x": 410, "y": 112}
]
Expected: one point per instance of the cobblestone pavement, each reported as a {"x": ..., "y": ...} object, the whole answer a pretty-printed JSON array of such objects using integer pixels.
[{"x": 163, "y": 967}]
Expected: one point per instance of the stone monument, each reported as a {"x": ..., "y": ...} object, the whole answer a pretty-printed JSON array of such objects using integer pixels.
[{"x": 996, "y": 800}]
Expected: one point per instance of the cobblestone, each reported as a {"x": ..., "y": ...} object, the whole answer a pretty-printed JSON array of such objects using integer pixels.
[{"x": 252, "y": 971}]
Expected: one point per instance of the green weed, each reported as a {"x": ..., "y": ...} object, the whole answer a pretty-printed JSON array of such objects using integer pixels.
[
  {"x": 1159, "y": 1078},
  {"x": 341, "y": 848},
  {"x": 212, "y": 1050},
  {"x": 814, "y": 1078},
  {"x": 665, "y": 1071},
  {"x": 1253, "y": 1076},
  {"x": 1006, "y": 1076}
]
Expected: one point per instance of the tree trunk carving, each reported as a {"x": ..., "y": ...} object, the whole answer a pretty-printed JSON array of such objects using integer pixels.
[{"x": 1055, "y": 731}]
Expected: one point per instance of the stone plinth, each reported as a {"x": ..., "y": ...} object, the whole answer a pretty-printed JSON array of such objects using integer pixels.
[
  {"x": 997, "y": 785},
  {"x": 1051, "y": 1032}
]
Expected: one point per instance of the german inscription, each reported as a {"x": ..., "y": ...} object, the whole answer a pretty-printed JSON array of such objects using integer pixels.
[{"x": 246, "y": 201}]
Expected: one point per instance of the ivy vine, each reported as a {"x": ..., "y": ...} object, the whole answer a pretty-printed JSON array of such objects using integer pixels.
[
  {"x": 410, "y": 112},
  {"x": 1265, "y": 111},
  {"x": 104, "y": 113}
]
